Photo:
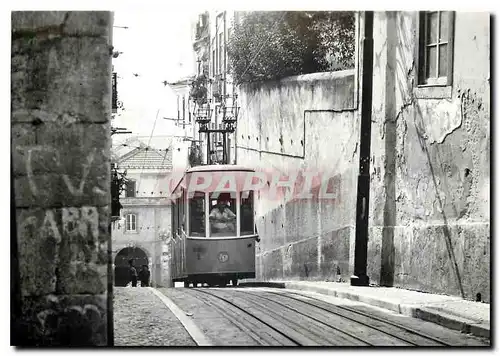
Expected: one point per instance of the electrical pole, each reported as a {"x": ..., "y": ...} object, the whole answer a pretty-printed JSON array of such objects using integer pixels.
[{"x": 360, "y": 277}]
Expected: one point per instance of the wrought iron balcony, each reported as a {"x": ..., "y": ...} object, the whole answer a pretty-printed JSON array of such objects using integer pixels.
[{"x": 203, "y": 117}]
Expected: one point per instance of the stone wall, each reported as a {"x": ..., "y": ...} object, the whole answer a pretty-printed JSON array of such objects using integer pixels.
[
  {"x": 429, "y": 226},
  {"x": 307, "y": 123},
  {"x": 430, "y": 176},
  {"x": 61, "y": 108}
]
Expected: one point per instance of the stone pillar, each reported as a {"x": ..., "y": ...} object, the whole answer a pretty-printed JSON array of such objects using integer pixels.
[
  {"x": 165, "y": 264},
  {"x": 61, "y": 110}
]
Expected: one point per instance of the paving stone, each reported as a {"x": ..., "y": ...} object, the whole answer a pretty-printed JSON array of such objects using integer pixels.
[{"x": 141, "y": 319}]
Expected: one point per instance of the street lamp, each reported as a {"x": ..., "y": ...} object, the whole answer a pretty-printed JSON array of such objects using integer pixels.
[
  {"x": 229, "y": 117},
  {"x": 203, "y": 117}
]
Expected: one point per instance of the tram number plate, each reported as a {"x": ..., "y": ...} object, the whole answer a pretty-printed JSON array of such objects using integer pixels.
[{"x": 223, "y": 257}]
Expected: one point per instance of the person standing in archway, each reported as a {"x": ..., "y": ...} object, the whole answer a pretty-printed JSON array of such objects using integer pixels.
[
  {"x": 144, "y": 275},
  {"x": 133, "y": 273}
]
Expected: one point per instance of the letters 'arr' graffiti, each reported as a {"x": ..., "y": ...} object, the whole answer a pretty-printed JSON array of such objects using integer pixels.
[
  {"x": 79, "y": 224},
  {"x": 74, "y": 190},
  {"x": 82, "y": 221}
]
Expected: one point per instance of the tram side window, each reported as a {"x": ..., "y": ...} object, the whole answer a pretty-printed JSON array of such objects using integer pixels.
[
  {"x": 222, "y": 215},
  {"x": 174, "y": 219},
  {"x": 182, "y": 212},
  {"x": 197, "y": 215},
  {"x": 246, "y": 213}
]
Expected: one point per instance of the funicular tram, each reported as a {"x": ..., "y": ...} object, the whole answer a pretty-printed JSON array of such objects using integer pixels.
[{"x": 213, "y": 230}]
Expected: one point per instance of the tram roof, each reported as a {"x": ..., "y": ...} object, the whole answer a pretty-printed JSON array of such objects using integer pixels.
[
  {"x": 219, "y": 167},
  {"x": 213, "y": 168}
]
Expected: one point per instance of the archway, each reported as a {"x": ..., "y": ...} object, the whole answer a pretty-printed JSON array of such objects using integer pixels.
[{"x": 136, "y": 254}]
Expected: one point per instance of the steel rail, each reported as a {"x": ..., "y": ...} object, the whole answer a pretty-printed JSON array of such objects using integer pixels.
[
  {"x": 418, "y": 333},
  {"x": 296, "y": 342},
  {"x": 342, "y": 316},
  {"x": 241, "y": 325},
  {"x": 311, "y": 317},
  {"x": 295, "y": 324}
]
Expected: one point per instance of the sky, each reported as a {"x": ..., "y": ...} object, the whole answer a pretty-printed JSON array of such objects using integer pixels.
[{"x": 157, "y": 46}]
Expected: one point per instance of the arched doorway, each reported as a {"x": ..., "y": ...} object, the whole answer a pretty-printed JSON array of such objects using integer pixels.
[{"x": 136, "y": 254}]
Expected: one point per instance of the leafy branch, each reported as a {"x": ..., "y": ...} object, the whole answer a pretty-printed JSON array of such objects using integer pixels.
[
  {"x": 199, "y": 91},
  {"x": 275, "y": 44}
]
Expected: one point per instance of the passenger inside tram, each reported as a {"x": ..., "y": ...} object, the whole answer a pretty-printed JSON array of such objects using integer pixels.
[{"x": 222, "y": 219}]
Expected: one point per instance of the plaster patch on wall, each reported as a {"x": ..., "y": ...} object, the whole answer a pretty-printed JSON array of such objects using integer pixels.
[{"x": 441, "y": 118}]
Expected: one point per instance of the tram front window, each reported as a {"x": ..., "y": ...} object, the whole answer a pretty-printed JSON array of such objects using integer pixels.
[
  {"x": 222, "y": 215},
  {"x": 197, "y": 215}
]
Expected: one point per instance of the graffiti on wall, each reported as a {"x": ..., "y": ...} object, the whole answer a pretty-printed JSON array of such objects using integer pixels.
[
  {"x": 78, "y": 224},
  {"x": 69, "y": 321},
  {"x": 75, "y": 188}
]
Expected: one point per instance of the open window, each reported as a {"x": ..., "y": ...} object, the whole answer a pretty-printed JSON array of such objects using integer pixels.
[
  {"x": 197, "y": 215},
  {"x": 246, "y": 213},
  {"x": 174, "y": 219},
  {"x": 222, "y": 214},
  {"x": 182, "y": 213}
]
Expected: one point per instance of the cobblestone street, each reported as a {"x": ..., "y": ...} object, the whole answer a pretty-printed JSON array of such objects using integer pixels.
[{"x": 155, "y": 325}]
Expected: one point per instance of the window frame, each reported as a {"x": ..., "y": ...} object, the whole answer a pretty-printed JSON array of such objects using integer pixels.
[
  {"x": 190, "y": 218},
  {"x": 133, "y": 183},
  {"x": 220, "y": 59},
  {"x": 213, "y": 62},
  {"x": 234, "y": 202},
  {"x": 240, "y": 214},
  {"x": 127, "y": 223},
  {"x": 421, "y": 52}
]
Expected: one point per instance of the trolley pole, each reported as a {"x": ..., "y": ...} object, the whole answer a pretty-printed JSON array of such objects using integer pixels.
[{"x": 360, "y": 277}]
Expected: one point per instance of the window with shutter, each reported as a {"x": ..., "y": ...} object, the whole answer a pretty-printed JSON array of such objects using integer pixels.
[
  {"x": 131, "y": 222},
  {"x": 130, "y": 192}
]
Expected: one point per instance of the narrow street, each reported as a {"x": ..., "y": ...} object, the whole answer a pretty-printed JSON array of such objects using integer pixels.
[
  {"x": 269, "y": 317},
  {"x": 217, "y": 177}
]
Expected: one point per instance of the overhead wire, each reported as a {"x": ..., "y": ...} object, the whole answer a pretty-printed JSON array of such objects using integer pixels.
[
  {"x": 158, "y": 176},
  {"x": 148, "y": 146},
  {"x": 142, "y": 147}
]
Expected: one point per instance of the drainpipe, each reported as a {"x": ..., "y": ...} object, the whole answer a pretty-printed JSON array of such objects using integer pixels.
[{"x": 363, "y": 196}]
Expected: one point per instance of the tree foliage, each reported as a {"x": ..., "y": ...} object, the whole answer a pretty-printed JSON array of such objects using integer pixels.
[
  {"x": 195, "y": 158},
  {"x": 199, "y": 91},
  {"x": 277, "y": 44}
]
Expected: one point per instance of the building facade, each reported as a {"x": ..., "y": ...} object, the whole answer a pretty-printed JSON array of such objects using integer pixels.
[
  {"x": 211, "y": 34},
  {"x": 430, "y": 188},
  {"x": 143, "y": 231}
]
